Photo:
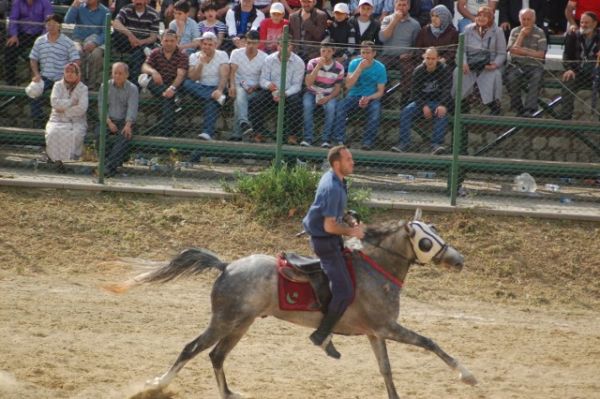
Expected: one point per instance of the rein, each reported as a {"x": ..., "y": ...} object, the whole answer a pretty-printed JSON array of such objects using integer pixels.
[{"x": 399, "y": 283}]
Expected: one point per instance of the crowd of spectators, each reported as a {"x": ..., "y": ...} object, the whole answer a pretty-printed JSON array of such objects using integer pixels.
[{"x": 338, "y": 60}]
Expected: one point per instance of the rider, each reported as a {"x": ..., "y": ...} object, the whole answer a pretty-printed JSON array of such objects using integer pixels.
[{"x": 323, "y": 224}]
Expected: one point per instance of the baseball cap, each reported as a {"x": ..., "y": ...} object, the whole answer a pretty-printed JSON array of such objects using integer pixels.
[
  {"x": 341, "y": 7},
  {"x": 369, "y": 2},
  {"x": 277, "y": 8},
  {"x": 208, "y": 35}
]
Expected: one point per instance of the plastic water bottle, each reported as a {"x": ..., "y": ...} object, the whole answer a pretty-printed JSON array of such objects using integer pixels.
[
  {"x": 525, "y": 183},
  {"x": 406, "y": 177}
]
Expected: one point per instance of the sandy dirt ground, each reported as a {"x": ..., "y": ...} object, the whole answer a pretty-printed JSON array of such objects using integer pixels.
[{"x": 523, "y": 316}]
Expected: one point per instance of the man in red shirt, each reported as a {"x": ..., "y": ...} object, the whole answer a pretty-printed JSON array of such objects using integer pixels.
[
  {"x": 575, "y": 8},
  {"x": 271, "y": 29}
]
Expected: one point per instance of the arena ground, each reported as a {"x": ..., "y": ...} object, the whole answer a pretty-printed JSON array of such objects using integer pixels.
[{"x": 523, "y": 315}]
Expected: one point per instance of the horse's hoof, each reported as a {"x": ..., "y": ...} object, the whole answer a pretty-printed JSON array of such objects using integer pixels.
[
  {"x": 468, "y": 378},
  {"x": 155, "y": 384},
  {"x": 234, "y": 395}
]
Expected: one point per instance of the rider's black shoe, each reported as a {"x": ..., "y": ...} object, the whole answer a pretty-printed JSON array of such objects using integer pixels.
[{"x": 322, "y": 335}]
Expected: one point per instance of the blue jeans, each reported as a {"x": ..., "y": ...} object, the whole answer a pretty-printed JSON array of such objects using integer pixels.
[
  {"x": 406, "y": 119},
  {"x": 262, "y": 106},
  {"x": 309, "y": 105},
  {"x": 329, "y": 251},
  {"x": 37, "y": 113},
  {"x": 350, "y": 103},
  {"x": 210, "y": 111},
  {"x": 167, "y": 105},
  {"x": 240, "y": 109}
]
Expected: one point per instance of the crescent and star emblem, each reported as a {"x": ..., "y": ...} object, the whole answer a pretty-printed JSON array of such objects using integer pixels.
[{"x": 291, "y": 299}]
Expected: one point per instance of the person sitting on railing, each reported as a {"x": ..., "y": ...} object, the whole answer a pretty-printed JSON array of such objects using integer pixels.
[
  {"x": 123, "y": 97},
  {"x": 365, "y": 85},
  {"x": 484, "y": 56},
  {"x": 241, "y": 18},
  {"x": 421, "y": 9},
  {"x": 527, "y": 48},
  {"x": 135, "y": 33},
  {"x": 88, "y": 35},
  {"x": 307, "y": 28},
  {"x": 166, "y": 66},
  {"x": 581, "y": 58},
  {"x": 187, "y": 29},
  {"x": 267, "y": 98},
  {"x": 440, "y": 33},
  {"x": 430, "y": 95},
  {"x": 469, "y": 9},
  {"x": 207, "y": 80},
  {"x": 26, "y": 23},
  {"x": 271, "y": 29},
  {"x": 398, "y": 34},
  {"x": 245, "y": 65},
  {"x": 324, "y": 78},
  {"x": 67, "y": 125},
  {"x": 49, "y": 56},
  {"x": 211, "y": 23}
]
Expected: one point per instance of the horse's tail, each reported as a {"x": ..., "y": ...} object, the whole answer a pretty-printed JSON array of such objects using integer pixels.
[{"x": 187, "y": 263}]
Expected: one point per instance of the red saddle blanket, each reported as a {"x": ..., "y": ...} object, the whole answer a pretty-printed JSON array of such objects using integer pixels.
[{"x": 301, "y": 296}]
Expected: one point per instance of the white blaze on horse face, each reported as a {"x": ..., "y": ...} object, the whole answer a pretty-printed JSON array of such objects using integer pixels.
[{"x": 425, "y": 242}]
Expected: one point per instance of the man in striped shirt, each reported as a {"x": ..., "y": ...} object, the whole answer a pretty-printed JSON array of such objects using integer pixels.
[
  {"x": 136, "y": 28},
  {"x": 49, "y": 56},
  {"x": 324, "y": 77}
]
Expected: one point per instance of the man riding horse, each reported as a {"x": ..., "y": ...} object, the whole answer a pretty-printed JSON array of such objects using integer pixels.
[{"x": 323, "y": 223}]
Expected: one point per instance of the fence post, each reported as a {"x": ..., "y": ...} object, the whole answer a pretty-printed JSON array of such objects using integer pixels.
[
  {"x": 457, "y": 127},
  {"x": 104, "y": 105},
  {"x": 281, "y": 105}
]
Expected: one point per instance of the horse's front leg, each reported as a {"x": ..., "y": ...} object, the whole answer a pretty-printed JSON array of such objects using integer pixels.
[
  {"x": 380, "y": 350},
  {"x": 401, "y": 334}
]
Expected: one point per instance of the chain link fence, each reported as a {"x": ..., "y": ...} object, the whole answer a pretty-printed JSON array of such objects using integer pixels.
[{"x": 415, "y": 122}]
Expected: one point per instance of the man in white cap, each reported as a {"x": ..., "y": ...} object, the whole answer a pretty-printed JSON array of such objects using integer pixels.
[
  {"x": 271, "y": 29},
  {"x": 381, "y": 8},
  {"x": 341, "y": 33},
  {"x": 366, "y": 26},
  {"x": 207, "y": 79}
]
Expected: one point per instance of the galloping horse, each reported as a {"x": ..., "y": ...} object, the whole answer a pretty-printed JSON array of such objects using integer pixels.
[{"x": 248, "y": 288}]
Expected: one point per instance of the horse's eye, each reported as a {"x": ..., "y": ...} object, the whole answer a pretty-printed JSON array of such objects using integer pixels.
[{"x": 425, "y": 244}]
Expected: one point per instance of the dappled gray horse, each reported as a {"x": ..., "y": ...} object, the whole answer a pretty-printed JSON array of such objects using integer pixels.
[{"x": 247, "y": 289}]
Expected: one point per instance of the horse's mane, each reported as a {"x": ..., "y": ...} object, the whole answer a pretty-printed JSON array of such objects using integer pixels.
[{"x": 377, "y": 233}]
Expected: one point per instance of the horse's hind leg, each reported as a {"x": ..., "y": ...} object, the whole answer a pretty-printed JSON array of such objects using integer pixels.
[
  {"x": 401, "y": 334},
  {"x": 220, "y": 352},
  {"x": 380, "y": 350}
]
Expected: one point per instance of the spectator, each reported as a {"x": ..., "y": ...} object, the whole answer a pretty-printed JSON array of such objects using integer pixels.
[
  {"x": 50, "y": 54},
  {"x": 242, "y": 18},
  {"x": 366, "y": 26},
  {"x": 245, "y": 65},
  {"x": 210, "y": 23},
  {"x": 580, "y": 58},
  {"x": 324, "y": 78},
  {"x": 307, "y": 28},
  {"x": 263, "y": 6},
  {"x": 135, "y": 30},
  {"x": 421, "y": 9},
  {"x": 122, "y": 114},
  {"x": 430, "y": 95},
  {"x": 485, "y": 53},
  {"x": 67, "y": 125},
  {"x": 441, "y": 34},
  {"x": 267, "y": 99},
  {"x": 186, "y": 28},
  {"x": 341, "y": 33},
  {"x": 398, "y": 33},
  {"x": 271, "y": 29},
  {"x": 89, "y": 18},
  {"x": 25, "y": 25},
  {"x": 167, "y": 67},
  {"x": 527, "y": 48},
  {"x": 365, "y": 84},
  {"x": 575, "y": 9},
  {"x": 222, "y": 7},
  {"x": 555, "y": 14},
  {"x": 380, "y": 8},
  {"x": 207, "y": 79},
  {"x": 509, "y": 17},
  {"x": 469, "y": 9}
]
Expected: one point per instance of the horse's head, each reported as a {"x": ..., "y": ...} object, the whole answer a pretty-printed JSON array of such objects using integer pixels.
[{"x": 428, "y": 246}]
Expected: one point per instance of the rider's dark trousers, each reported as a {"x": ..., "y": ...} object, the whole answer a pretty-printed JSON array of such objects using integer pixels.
[{"x": 329, "y": 250}]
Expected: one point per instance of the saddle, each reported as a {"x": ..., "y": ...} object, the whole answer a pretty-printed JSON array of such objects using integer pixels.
[{"x": 302, "y": 284}]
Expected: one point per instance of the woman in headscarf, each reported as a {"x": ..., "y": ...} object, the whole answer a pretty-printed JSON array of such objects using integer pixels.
[
  {"x": 67, "y": 125},
  {"x": 484, "y": 57},
  {"x": 441, "y": 34}
]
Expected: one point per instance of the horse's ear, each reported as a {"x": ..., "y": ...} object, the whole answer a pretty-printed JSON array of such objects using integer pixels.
[
  {"x": 418, "y": 214},
  {"x": 410, "y": 231}
]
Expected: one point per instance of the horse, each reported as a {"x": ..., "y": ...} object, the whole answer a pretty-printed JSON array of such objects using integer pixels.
[{"x": 247, "y": 288}]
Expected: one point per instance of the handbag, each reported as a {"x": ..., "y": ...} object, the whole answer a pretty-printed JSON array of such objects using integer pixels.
[{"x": 477, "y": 61}]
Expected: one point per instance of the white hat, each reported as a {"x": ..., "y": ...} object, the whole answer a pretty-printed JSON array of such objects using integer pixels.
[
  {"x": 341, "y": 7},
  {"x": 35, "y": 89},
  {"x": 208, "y": 35},
  {"x": 143, "y": 80},
  {"x": 369, "y": 2},
  {"x": 277, "y": 8}
]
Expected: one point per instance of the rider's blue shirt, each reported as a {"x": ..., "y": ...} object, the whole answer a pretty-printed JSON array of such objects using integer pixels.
[{"x": 330, "y": 201}]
